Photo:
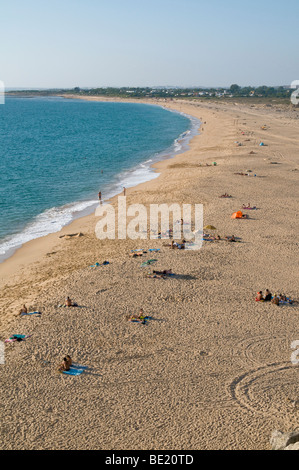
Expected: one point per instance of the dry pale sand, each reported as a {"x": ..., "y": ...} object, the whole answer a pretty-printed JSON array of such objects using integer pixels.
[{"x": 213, "y": 369}]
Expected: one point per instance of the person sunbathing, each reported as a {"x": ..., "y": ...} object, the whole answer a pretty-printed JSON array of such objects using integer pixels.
[
  {"x": 160, "y": 274},
  {"x": 16, "y": 338},
  {"x": 179, "y": 246},
  {"x": 137, "y": 253},
  {"x": 154, "y": 275},
  {"x": 268, "y": 296},
  {"x": 65, "y": 365},
  {"x": 171, "y": 245},
  {"x": 275, "y": 300},
  {"x": 70, "y": 303},
  {"x": 165, "y": 272},
  {"x": 141, "y": 317},
  {"x": 69, "y": 360},
  {"x": 23, "y": 310},
  {"x": 259, "y": 296},
  {"x": 225, "y": 195},
  {"x": 174, "y": 245}
]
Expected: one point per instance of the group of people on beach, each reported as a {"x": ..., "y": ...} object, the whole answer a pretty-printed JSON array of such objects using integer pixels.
[
  {"x": 141, "y": 317},
  {"x": 275, "y": 299}
]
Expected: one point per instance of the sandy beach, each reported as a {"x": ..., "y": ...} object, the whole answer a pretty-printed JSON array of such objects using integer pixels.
[{"x": 212, "y": 369}]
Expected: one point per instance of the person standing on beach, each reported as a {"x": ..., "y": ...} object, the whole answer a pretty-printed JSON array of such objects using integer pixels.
[
  {"x": 124, "y": 191},
  {"x": 100, "y": 196}
]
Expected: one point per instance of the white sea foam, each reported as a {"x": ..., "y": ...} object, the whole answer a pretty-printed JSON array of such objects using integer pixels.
[{"x": 49, "y": 221}]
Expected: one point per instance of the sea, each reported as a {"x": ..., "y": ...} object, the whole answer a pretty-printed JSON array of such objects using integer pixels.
[{"x": 56, "y": 154}]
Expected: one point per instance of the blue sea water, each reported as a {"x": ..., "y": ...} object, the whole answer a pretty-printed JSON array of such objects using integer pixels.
[{"x": 56, "y": 155}]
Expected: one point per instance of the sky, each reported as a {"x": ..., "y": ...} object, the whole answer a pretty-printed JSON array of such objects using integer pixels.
[{"x": 186, "y": 43}]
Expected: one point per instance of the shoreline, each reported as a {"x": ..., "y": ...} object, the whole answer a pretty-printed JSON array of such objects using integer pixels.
[
  {"x": 90, "y": 205},
  {"x": 35, "y": 252},
  {"x": 36, "y": 249},
  {"x": 213, "y": 362}
]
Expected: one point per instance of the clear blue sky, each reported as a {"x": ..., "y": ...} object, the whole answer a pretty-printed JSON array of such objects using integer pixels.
[{"x": 68, "y": 43}]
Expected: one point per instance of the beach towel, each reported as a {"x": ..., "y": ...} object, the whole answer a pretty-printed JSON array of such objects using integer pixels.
[
  {"x": 75, "y": 369},
  {"x": 154, "y": 249},
  {"x": 150, "y": 261},
  {"x": 286, "y": 302},
  {"x": 142, "y": 320},
  {"x": 31, "y": 313},
  {"x": 17, "y": 338}
]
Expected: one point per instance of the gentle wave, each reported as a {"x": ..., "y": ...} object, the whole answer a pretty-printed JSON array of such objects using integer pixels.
[{"x": 50, "y": 221}]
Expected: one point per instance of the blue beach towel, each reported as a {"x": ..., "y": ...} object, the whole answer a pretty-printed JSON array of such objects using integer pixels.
[
  {"x": 143, "y": 321},
  {"x": 96, "y": 265},
  {"x": 75, "y": 370},
  {"x": 31, "y": 313}
]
